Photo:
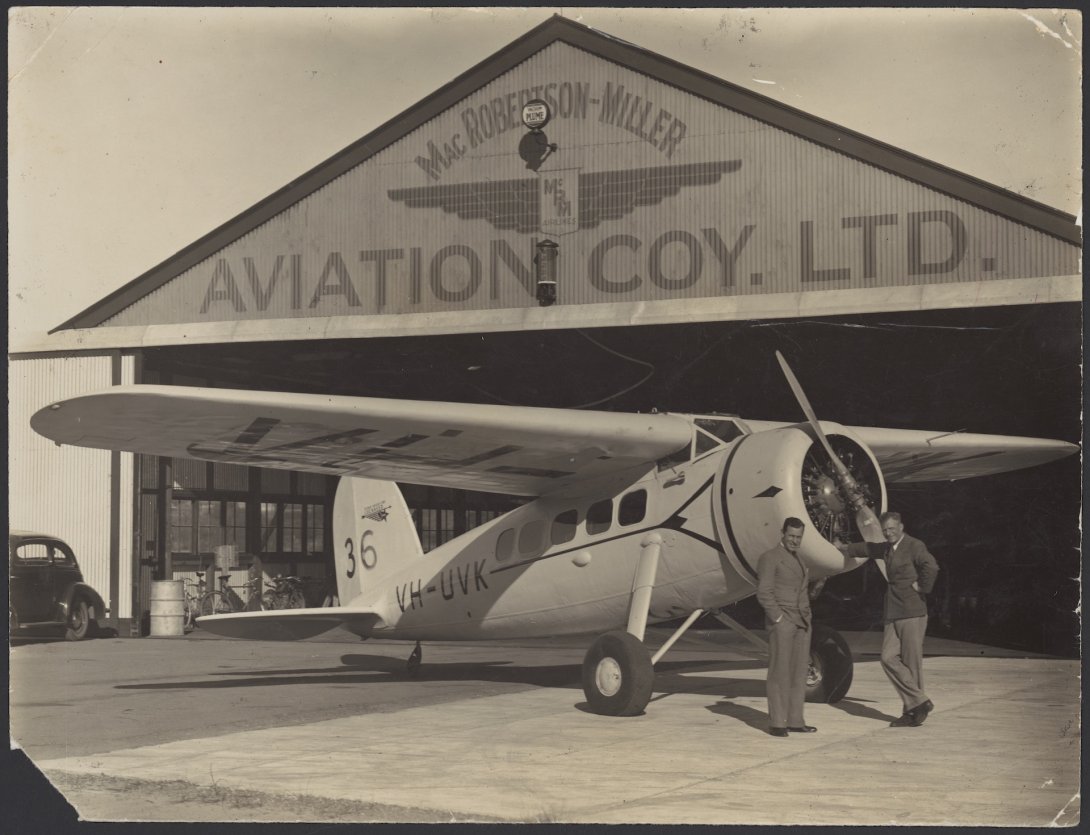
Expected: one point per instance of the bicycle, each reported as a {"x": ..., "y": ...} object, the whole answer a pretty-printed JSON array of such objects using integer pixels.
[
  {"x": 192, "y": 600},
  {"x": 284, "y": 593},
  {"x": 224, "y": 600}
]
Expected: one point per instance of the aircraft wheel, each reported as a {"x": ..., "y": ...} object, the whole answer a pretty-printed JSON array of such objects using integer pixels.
[
  {"x": 830, "y": 673},
  {"x": 617, "y": 675}
]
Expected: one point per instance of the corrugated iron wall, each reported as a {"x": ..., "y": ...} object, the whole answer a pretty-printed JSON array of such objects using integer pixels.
[
  {"x": 66, "y": 491},
  {"x": 652, "y": 194}
]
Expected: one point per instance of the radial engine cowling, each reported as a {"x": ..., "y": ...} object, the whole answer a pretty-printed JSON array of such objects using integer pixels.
[{"x": 784, "y": 472}]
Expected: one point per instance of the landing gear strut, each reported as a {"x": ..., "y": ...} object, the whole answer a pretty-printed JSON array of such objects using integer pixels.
[{"x": 617, "y": 669}]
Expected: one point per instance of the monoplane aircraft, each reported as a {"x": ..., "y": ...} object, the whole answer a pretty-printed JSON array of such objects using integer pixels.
[{"x": 633, "y": 518}]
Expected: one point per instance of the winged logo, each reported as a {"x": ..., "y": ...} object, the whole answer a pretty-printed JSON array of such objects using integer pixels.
[
  {"x": 378, "y": 512},
  {"x": 558, "y": 202}
]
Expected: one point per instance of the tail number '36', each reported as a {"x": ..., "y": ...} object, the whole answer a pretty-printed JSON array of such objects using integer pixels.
[{"x": 368, "y": 554}]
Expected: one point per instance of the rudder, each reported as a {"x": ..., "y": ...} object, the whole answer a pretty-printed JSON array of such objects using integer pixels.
[{"x": 373, "y": 535}]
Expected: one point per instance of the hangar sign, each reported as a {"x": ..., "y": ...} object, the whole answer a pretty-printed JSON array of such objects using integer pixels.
[{"x": 653, "y": 194}]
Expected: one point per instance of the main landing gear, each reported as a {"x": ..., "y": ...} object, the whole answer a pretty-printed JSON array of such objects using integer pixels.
[{"x": 618, "y": 669}]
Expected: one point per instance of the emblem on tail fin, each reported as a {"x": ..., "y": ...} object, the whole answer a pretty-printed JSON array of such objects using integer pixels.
[{"x": 379, "y": 511}]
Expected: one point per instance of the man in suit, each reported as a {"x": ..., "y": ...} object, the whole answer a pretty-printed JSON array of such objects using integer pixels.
[
  {"x": 910, "y": 573},
  {"x": 782, "y": 590}
]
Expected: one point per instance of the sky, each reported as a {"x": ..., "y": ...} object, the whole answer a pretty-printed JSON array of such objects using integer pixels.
[{"x": 134, "y": 131}]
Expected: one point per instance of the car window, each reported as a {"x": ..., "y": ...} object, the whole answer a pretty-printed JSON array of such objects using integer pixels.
[
  {"x": 62, "y": 556},
  {"x": 32, "y": 553}
]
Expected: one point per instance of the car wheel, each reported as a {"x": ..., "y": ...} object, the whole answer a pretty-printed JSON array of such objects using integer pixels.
[{"x": 79, "y": 622}]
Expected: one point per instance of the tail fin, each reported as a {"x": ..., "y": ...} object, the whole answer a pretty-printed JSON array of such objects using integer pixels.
[{"x": 373, "y": 535}]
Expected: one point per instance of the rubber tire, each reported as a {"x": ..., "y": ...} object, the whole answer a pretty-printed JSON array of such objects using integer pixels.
[
  {"x": 189, "y": 615},
  {"x": 637, "y": 675},
  {"x": 214, "y": 603},
  {"x": 831, "y": 658},
  {"x": 78, "y": 627}
]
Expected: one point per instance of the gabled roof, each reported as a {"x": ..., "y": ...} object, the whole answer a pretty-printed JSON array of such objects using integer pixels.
[{"x": 894, "y": 160}]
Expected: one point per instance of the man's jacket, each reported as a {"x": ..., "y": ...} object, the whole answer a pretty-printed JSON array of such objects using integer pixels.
[
  {"x": 909, "y": 562},
  {"x": 782, "y": 587}
]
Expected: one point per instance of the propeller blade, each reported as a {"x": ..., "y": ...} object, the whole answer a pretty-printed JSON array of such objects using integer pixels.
[
  {"x": 808, "y": 410},
  {"x": 865, "y": 518}
]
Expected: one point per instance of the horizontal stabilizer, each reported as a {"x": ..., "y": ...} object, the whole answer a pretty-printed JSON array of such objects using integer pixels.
[{"x": 290, "y": 624}]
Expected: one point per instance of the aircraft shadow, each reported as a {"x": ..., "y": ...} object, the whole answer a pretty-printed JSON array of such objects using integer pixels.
[{"x": 377, "y": 669}]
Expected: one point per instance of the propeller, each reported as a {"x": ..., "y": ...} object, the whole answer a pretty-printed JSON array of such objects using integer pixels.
[{"x": 865, "y": 518}]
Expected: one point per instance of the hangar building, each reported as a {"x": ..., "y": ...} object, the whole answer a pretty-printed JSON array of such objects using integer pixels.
[{"x": 691, "y": 228}]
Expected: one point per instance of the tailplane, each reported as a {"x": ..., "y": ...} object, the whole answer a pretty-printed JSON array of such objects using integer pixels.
[{"x": 373, "y": 535}]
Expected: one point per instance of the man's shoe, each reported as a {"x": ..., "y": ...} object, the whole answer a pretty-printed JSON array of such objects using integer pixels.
[
  {"x": 802, "y": 729},
  {"x": 777, "y": 731},
  {"x": 905, "y": 720},
  {"x": 919, "y": 713}
]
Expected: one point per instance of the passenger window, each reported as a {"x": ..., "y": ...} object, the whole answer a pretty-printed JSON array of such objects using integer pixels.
[
  {"x": 600, "y": 516},
  {"x": 564, "y": 527},
  {"x": 633, "y": 508},
  {"x": 505, "y": 545},
  {"x": 530, "y": 538}
]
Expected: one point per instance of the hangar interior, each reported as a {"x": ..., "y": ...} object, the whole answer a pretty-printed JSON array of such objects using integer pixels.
[
  {"x": 698, "y": 228},
  {"x": 927, "y": 369}
]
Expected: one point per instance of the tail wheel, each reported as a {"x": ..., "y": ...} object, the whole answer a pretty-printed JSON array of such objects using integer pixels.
[
  {"x": 830, "y": 674},
  {"x": 617, "y": 675},
  {"x": 79, "y": 621}
]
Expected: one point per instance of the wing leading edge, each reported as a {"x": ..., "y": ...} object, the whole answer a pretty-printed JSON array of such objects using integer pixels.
[
  {"x": 917, "y": 455},
  {"x": 503, "y": 449}
]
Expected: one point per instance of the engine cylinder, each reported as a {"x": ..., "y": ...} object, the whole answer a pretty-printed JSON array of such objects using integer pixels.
[{"x": 785, "y": 472}]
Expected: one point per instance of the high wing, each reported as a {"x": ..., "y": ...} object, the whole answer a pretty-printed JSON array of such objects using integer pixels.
[
  {"x": 504, "y": 449},
  {"x": 290, "y": 624},
  {"x": 918, "y": 455}
]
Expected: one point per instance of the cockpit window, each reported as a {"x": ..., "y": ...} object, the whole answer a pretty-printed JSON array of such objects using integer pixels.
[
  {"x": 675, "y": 458},
  {"x": 723, "y": 429},
  {"x": 704, "y": 442}
]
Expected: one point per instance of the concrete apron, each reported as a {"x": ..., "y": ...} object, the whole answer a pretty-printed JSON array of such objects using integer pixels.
[{"x": 1002, "y": 748}]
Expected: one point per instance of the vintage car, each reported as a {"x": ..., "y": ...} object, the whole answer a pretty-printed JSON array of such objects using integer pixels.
[{"x": 46, "y": 588}]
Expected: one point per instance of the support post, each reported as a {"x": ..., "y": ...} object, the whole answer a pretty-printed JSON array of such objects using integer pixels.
[
  {"x": 681, "y": 630},
  {"x": 727, "y": 620},
  {"x": 643, "y": 584}
]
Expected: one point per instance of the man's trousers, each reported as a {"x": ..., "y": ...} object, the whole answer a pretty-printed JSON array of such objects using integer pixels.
[
  {"x": 902, "y": 658},
  {"x": 788, "y": 664}
]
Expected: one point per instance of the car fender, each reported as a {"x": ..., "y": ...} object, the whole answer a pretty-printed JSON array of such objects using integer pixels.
[{"x": 64, "y": 604}]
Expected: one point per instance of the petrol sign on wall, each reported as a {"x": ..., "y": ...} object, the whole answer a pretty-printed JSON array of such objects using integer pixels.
[{"x": 651, "y": 192}]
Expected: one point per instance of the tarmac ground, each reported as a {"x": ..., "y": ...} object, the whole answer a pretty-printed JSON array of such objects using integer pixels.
[{"x": 199, "y": 728}]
